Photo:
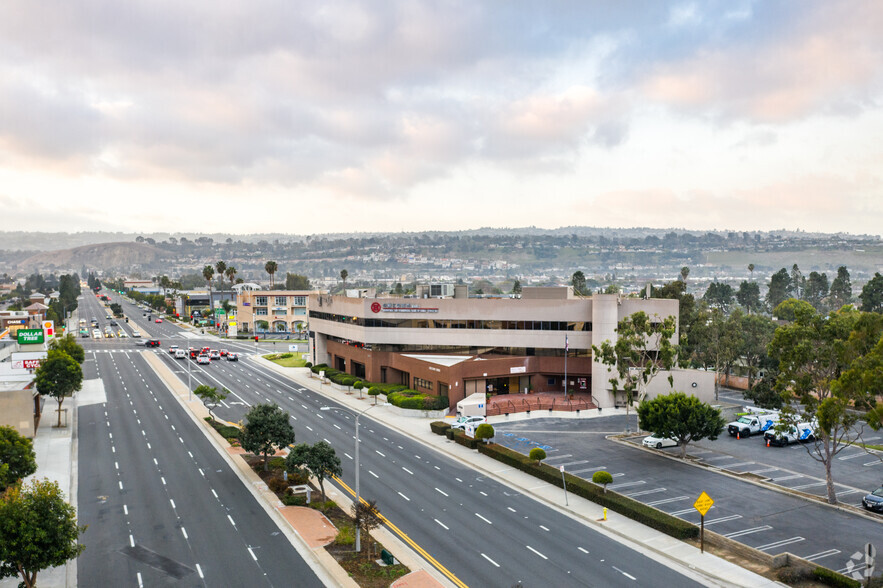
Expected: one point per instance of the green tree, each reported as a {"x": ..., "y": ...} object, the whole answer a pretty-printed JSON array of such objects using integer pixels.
[
  {"x": 208, "y": 273},
  {"x": 872, "y": 294},
  {"x": 220, "y": 268},
  {"x": 719, "y": 341},
  {"x": 69, "y": 345},
  {"x": 578, "y": 281},
  {"x": 210, "y": 397},
  {"x": 516, "y": 287},
  {"x": 374, "y": 391},
  {"x": 841, "y": 289},
  {"x": 58, "y": 376},
  {"x": 817, "y": 289},
  {"x": 813, "y": 351},
  {"x": 779, "y": 288},
  {"x": 764, "y": 393},
  {"x": 685, "y": 271},
  {"x": 680, "y": 417},
  {"x": 297, "y": 282},
  {"x": 366, "y": 517},
  {"x": 38, "y": 530},
  {"x": 642, "y": 349},
  {"x": 343, "y": 276},
  {"x": 719, "y": 295},
  {"x": 17, "y": 457},
  {"x": 320, "y": 459},
  {"x": 798, "y": 283},
  {"x": 751, "y": 272},
  {"x": 748, "y": 296},
  {"x": 266, "y": 429},
  {"x": 756, "y": 334},
  {"x": 602, "y": 478},
  {"x": 271, "y": 267},
  {"x": 398, "y": 289},
  {"x": 484, "y": 431},
  {"x": 230, "y": 272},
  {"x": 538, "y": 454}
]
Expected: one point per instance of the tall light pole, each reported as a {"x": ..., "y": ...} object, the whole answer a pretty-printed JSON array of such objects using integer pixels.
[
  {"x": 358, "y": 493},
  {"x": 189, "y": 385}
]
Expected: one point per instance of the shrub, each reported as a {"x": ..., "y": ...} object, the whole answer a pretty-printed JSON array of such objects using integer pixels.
[
  {"x": 623, "y": 505},
  {"x": 359, "y": 385},
  {"x": 460, "y": 437},
  {"x": 285, "y": 356},
  {"x": 345, "y": 536},
  {"x": 308, "y": 364},
  {"x": 484, "y": 431},
  {"x": 602, "y": 478},
  {"x": 439, "y": 427},
  {"x": 832, "y": 578},
  {"x": 277, "y": 463},
  {"x": 537, "y": 454},
  {"x": 318, "y": 368},
  {"x": 323, "y": 506},
  {"x": 277, "y": 484},
  {"x": 294, "y": 500}
]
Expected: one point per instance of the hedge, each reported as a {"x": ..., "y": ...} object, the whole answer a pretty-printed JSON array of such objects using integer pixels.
[
  {"x": 461, "y": 438},
  {"x": 439, "y": 427},
  {"x": 832, "y": 578},
  {"x": 623, "y": 505}
]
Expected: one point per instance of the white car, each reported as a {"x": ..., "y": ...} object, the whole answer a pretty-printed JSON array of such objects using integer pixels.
[
  {"x": 203, "y": 359},
  {"x": 180, "y": 354},
  {"x": 658, "y": 442},
  {"x": 461, "y": 422},
  {"x": 136, "y": 334}
]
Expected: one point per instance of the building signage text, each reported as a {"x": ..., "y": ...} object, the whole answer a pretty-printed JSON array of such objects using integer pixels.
[
  {"x": 390, "y": 307},
  {"x": 29, "y": 336}
]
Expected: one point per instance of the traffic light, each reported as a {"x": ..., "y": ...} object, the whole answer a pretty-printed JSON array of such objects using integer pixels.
[{"x": 255, "y": 338}]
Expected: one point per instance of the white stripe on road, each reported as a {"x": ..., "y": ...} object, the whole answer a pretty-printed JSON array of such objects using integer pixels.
[
  {"x": 444, "y": 526},
  {"x": 253, "y": 556},
  {"x": 484, "y": 519},
  {"x": 490, "y": 560},
  {"x": 722, "y": 519},
  {"x": 791, "y": 477},
  {"x": 441, "y": 492},
  {"x": 667, "y": 500},
  {"x": 537, "y": 552},
  {"x": 645, "y": 492},
  {"x": 781, "y": 543},
  {"x": 405, "y": 497},
  {"x": 232, "y": 522},
  {"x": 625, "y": 484},
  {"x": 747, "y": 531},
  {"x": 821, "y": 554},
  {"x": 199, "y": 569}
]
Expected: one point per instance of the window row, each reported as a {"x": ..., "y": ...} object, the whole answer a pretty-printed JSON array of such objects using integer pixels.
[{"x": 423, "y": 323}]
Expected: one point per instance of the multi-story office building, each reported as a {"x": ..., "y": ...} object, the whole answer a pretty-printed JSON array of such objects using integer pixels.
[{"x": 271, "y": 310}]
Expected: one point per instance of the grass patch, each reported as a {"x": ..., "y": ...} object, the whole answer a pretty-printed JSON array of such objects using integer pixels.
[
  {"x": 293, "y": 359},
  {"x": 231, "y": 434}
]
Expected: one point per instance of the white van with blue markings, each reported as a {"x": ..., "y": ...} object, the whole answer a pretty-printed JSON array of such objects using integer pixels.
[{"x": 788, "y": 434}]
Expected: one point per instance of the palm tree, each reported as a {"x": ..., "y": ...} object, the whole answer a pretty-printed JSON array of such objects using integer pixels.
[
  {"x": 208, "y": 272},
  {"x": 220, "y": 268},
  {"x": 231, "y": 274},
  {"x": 751, "y": 271},
  {"x": 685, "y": 271},
  {"x": 343, "y": 276},
  {"x": 270, "y": 267}
]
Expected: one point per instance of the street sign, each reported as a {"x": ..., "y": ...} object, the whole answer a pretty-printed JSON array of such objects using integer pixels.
[
  {"x": 29, "y": 336},
  {"x": 703, "y": 503}
]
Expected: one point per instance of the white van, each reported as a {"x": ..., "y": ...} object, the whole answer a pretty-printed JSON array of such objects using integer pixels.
[{"x": 180, "y": 354}]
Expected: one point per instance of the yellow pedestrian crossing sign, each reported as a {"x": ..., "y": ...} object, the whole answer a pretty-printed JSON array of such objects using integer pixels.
[{"x": 703, "y": 503}]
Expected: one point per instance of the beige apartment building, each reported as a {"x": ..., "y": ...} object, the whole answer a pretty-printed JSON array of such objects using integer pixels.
[
  {"x": 459, "y": 346},
  {"x": 272, "y": 310}
]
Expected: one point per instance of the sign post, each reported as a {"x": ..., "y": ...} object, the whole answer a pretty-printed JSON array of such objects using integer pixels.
[
  {"x": 702, "y": 504},
  {"x": 564, "y": 484},
  {"x": 870, "y": 555}
]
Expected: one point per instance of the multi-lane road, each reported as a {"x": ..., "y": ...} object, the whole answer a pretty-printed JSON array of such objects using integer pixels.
[{"x": 478, "y": 532}]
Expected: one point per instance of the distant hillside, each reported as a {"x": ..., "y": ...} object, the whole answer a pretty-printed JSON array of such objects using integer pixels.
[{"x": 124, "y": 256}]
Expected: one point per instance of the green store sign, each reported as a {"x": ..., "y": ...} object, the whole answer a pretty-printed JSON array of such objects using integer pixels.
[{"x": 29, "y": 336}]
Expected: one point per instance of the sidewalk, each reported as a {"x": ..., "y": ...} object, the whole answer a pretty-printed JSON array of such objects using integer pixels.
[
  {"x": 704, "y": 568},
  {"x": 56, "y": 460}
]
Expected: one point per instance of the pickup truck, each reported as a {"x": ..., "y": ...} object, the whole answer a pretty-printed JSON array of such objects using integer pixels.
[
  {"x": 801, "y": 432},
  {"x": 752, "y": 424}
]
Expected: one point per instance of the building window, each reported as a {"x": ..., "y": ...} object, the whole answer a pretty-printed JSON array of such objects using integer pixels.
[
  {"x": 281, "y": 300},
  {"x": 260, "y": 311},
  {"x": 298, "y": 300},
  {"x": 280, "y": 311},
  {"x": 260, "y": 301},
  {"x": 421, "y": 383}
]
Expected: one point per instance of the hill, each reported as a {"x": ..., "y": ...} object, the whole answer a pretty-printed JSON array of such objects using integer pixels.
[{"x": 111, "y": 256}]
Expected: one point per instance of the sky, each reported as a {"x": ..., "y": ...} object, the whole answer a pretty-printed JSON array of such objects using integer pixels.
[{"x": 411, "y": 115}]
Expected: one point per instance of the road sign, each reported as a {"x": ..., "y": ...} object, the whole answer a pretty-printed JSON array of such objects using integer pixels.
[{"x": 703, "y": 503}]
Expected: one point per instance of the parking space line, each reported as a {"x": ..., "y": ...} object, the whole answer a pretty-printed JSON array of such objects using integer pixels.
[
  {"x": 588, "y": 469},
  {"x": 625, "y": 484},
  {"x": 781, "y": 543},
  {"x": 852, "y": 456},
  {"x": 722, "y": 519},
  {"x": 737, "y": 465},
  {"x": 802, "y": 486},
  {"x": 747, "y": 531},
  {"x": 690, "y": 510},
  {"x": 766, "y": 471},
  {"x": 822, "y": 554},
  {"x": 667, "y": 500},
  {"x": 718, "y": 458},
  {"x": 872, "y": 463},
  {"x": 644, "y": 492},
  {"x": 791, "y": 477}
]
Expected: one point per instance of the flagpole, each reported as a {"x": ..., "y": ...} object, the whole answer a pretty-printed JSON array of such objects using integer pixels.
[{"x": 565, "y": 366}]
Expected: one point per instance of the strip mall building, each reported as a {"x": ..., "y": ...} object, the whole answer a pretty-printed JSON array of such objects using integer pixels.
[{"x": 459, "y": 346}]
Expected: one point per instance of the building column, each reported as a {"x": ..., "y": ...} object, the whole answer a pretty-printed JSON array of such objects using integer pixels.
[{"x": 605, "y": 312}]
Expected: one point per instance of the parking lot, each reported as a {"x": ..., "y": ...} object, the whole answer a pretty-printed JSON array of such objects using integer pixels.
[{"x": 764, "y": 518}]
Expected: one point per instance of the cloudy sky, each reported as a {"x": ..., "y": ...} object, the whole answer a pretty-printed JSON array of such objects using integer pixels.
[{"x": 310, "y": 117}]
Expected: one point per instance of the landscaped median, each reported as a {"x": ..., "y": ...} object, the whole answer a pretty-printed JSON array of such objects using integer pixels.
[{"x": 396, "y": 394}]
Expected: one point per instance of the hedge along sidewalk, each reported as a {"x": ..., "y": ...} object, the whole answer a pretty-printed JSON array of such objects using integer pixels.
[
  {"x": 704, "y": 568},
  {"x": 320, "y": 561}
]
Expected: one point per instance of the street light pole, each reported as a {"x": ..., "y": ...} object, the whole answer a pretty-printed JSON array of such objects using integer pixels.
[{"x": 189, "y": 385}]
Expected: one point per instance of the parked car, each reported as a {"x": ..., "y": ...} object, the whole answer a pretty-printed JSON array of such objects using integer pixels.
[
  {"x": 658, "y": 442},
  {"x": 874, "y": 501},
  {"x": 782, "y": 435},
  {"x": 232, "y": 356},
  {"x": 153, "y": 343},
  {"x": 203, "y": 359},
  {"x": 461, "y": 422}
]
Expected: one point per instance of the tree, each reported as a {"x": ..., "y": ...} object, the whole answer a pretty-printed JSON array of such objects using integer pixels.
[
  {"x": 297, "y": 282},
  {"x": 816, "y": 290},
  {"x": 319, "y": 458},
  {"x": 798, "y": 283},
  {"x": 578, "y": 281},
  {"x": 764, "y": 393},
  {"x": 748, "y": 296},
  {"x": 230, "y": 272},
  {"x": 751, "y": 271},
  {"x": 210, "y": 397},
  {"x": 484, "y": 431},
  {"x": 374, "y": 391},
  {"x": 266, "y": 429},
  {"x": 814, "y": 351},
  {"x": 366, "y": 517},
  {"x": 270, "y": 267},
  {"x": 69, "y": 345},
  {"x": 516, "y": 287},
  {"x": 38, "y": 530},
  {"x": 17, "y": 457},
  {"x": 685, "y": 271},
  {"x": 779, "y": 288},
  {"x": 872, "y": 294},
  {"x": 841, "y": 289},
  {"x": 220, "y": 268},
  {"x": 343, "y": 276},
  {"x": 603, "y": 478},
  {"x": 680, "y": 417},
  {"x": 58, "y": 376},
  {"x": 642, "y": 349},
  {"x": 538, "y": 454},
  {"x": 719, "y": 295},
  {"x": 208, "y": 273},
  {"x": 756, "y": 334}
]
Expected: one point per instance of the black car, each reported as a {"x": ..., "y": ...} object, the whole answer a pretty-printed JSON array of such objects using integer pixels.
[
  {"x": 874, "y": 501},
  {"x": 153, "y": 343}
]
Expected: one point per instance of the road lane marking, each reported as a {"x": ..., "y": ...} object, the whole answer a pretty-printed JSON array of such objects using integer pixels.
[
  {"x": 581, "y": 549},
  {"x": 163, "y": 480},
  {"x": 373, "y": 474},
  {"x": 125, "y": 510},
  {"x": 131, "y": 540},
  {"x": 629, "y": 576},
  {"x": 232, "y": 522},
  {"x": 121, "y": 485},
  {"x": 512, "y": 509},
  {"x": 199, "y": 569},
  {"x": 378, "y": 453},
  {"x": 214, "y": 493},
  {"x": 254, "y": 557},
  {"x": 183, "y": 530},
  {"x": 490, "y": 560},
  {"x": 444, "y": 526},
  {"x": 544, "y": 528},
  {"x": 537, "y": 552},
  {"x": 140, "y": 581},
  {"x": 173, "y": 502},
  {"x": 484, "y": 519},
  {"x": 405, "y": 497},
  {"x": 441, "y": 492},
  {"x": 347, "y": 454}
]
